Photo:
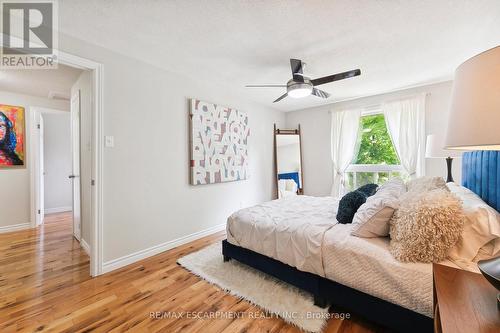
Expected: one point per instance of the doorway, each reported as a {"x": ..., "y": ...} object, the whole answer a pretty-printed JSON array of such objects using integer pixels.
[
  {"x": 56, "y": 156},
  {"x": 69, "y": 181},
  {"x": 86, "y": 181},
  {"x": 95, "y": 154}
]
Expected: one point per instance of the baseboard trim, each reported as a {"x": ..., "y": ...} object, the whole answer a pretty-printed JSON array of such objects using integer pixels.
[
  {"x": 111, "y": 265},
  {"x": 85, "y": 246},
  {"x": 58, "y": 210},
  {"x": 15, "y": 227}
]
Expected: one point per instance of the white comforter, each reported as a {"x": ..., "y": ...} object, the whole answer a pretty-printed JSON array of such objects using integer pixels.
[
  {"x": 290, "y": 230},
  {"x": 303, "y": 232},
  {"x": 367, "y": 265}
]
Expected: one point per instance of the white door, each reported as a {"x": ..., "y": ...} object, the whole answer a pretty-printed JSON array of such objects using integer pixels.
[{"x": 75, "y": 152}]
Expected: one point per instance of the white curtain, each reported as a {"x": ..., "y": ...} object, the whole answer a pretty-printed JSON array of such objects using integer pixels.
[
  {"x": 405, "y": 120},
  {"x": 344, "y": 136}
]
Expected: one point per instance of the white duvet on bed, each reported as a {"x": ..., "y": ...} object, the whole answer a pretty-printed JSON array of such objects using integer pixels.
[
  {"x": 290, "y": 230},
  {"x": 303, "y": 232},
  {"x": 365, "y": 264}
]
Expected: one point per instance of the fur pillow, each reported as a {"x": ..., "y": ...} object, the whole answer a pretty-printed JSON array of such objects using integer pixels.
[{"x": 426, "y": 226}]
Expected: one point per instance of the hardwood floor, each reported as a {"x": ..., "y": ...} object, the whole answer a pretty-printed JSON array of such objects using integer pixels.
[{"x": 45, "y": 287}]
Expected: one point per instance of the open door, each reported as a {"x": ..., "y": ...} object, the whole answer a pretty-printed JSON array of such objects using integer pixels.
[{"x": 75, "y": 152}]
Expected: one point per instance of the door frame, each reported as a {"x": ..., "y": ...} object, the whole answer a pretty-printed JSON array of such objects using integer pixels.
[{"x": 96, "y": 219}]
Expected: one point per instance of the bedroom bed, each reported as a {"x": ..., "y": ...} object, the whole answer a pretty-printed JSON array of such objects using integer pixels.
[{"x": 299, "y": 241}]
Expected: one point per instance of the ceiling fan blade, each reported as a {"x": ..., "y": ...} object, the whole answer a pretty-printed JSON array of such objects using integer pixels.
[
  {"x": 335, "y": 77},
  {"x": 280, "y": 98},
  {"x": 265, "y": 85},
  {"x": 296, "y": 66},
  {"x": 320, "y": 93}
]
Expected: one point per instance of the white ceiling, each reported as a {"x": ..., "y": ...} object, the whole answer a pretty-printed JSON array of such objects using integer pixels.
[
  {"x": 39, "y": 82},
  {"x": 396, "y": 44}
]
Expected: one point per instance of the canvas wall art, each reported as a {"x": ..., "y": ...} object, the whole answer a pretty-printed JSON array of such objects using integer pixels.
[
  {"x": 12, "y": 136},
  {"x": 219, "y": 143}
]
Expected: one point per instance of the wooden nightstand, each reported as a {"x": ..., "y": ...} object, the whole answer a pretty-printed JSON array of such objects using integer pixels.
[{"x": 464, "y": 302}]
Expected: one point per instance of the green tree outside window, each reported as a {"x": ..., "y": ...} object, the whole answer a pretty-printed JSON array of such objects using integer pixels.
[
  {"x": 375, "y": 148},
  {"x": 376, "y": 144}
]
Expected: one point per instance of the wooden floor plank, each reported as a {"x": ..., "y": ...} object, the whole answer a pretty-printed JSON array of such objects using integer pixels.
[{"x": 45, "y": 287}]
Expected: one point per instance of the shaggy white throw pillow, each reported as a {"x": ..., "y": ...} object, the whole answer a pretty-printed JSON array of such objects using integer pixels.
[{"x": 426, "y": 226}]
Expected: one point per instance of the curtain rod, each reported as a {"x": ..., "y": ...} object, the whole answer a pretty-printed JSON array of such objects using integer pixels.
[{"x": 375, "y": 107}]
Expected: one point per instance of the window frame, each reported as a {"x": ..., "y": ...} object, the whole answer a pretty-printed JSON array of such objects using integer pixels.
[{"x": 372, "y": 168}]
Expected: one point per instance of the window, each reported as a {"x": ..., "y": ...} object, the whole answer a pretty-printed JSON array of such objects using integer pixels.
[{"x": 376, "y": 160}]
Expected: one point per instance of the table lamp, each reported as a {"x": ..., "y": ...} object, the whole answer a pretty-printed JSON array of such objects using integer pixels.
[
  {"x": 434, "y": 148},
  {"x": 474, "y": 120}
]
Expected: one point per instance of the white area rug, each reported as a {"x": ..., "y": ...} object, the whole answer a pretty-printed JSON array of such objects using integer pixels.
[{"x": 293, "y": 305}]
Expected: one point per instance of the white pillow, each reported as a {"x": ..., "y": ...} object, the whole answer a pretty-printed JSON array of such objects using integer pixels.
[
  {"x": 424, "y": 184},
  {"x": 395, "y": 185},
  {"x": 282, "y": 184},
  {"x": 372, "y": 218},
  {"x": 481, "y": 229},
  {"x": 286, "y": 188},
  {"x": 291, "y": 185}
]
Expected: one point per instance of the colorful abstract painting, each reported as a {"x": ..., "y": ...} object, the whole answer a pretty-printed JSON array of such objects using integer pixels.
[
  {"x": 219, "y": 143},
  {"x": 12, "y": 136}
]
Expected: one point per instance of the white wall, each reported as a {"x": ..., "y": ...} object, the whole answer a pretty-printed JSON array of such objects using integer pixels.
[
  {"x": 15, "y": 183},
  {"x": 147, "y": 197},
  {"x": 315, "y": 127},
  {"x": 57, "y": 161}
]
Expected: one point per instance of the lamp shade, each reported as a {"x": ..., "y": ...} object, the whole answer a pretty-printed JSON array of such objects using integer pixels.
[
  {"x": 475, "y": 105},
  {"x": 434, "y": 148}
]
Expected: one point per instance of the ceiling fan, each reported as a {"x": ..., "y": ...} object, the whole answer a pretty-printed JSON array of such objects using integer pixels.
[{"x": 301, "y": 86}]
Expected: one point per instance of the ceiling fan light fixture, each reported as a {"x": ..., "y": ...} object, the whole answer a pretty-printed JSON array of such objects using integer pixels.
[
  {"x": 300, "y": 85},
  {"x": 299, "y": 90}
]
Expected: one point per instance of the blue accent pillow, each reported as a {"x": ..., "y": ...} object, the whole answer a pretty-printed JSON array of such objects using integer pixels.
[
  {"x": 349, "y": 204},
  {"x": 368, "y": 189}
]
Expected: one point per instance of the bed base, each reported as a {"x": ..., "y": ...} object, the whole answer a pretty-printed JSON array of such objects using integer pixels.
[{"x": 327, "y": 292}]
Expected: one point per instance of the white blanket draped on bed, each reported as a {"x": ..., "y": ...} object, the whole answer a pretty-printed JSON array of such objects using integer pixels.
[
  {"x": 366, "y": 264},
  {"x": 290, "y": 230},
  {"x": 303, "y": 232}
]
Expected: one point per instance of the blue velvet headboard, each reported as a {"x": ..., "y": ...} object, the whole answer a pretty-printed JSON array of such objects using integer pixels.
[
  {"x": 290, "y": 175},
  {"x": 481, "y": 174}
]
